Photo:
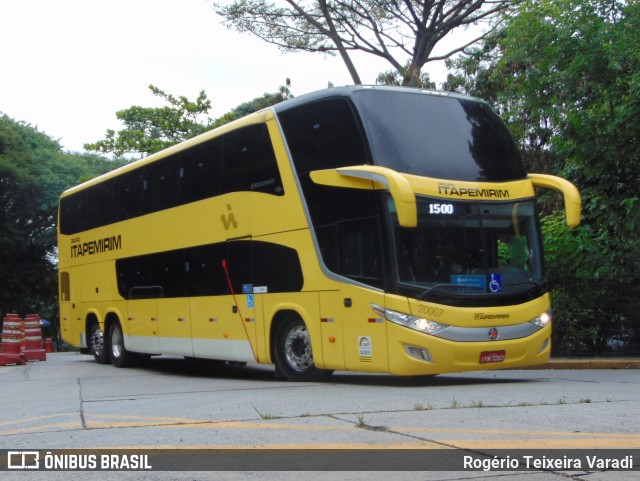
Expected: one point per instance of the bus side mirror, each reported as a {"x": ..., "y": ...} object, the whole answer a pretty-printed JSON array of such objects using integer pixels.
[
  {"x": 374, "y": 177},
  {"x": 572, "y": 201}
]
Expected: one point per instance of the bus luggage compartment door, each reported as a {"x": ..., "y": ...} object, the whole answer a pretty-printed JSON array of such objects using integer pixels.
[
  {"x": 141, "y": 332},
  {"x": 174, "y": 326}
]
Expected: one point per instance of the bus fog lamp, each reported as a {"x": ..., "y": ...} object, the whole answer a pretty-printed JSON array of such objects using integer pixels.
[
  {"x": 418, "y": 352},
  {"x": 544, "y": 345}
]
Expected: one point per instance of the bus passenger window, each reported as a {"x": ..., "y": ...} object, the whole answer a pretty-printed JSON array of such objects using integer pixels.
[
  {"x": 99, "y": 205},
  {"x": 249, "y": 163},
  {"x": 199, "y": 172},
  {"x": 128, "y": 203},
  {"x": 65, "y": 287},
  {"x": 160, "y": 186}
]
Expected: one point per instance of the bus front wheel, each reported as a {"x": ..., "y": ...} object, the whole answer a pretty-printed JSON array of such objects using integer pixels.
[
  {"x": 119, "y": 355},
  {"x": 293, "y": 355}
]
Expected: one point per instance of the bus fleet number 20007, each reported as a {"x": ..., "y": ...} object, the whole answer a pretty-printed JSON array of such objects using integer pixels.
[{"x": 429, "y": 310}]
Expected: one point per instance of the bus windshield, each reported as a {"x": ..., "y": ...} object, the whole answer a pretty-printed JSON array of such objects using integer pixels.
[
  {"x": 438, "y": 136},
  {"x": 468, "y": 250}
]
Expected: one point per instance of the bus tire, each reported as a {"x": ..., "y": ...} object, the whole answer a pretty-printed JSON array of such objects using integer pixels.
[
  {"x": 292, "y": 353},
  {"x": 97, "y": 344},
  {"x": 119, "y": 355}
]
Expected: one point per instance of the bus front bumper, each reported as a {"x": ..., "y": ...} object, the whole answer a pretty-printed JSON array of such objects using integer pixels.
[{"x": 413, "y": 353}]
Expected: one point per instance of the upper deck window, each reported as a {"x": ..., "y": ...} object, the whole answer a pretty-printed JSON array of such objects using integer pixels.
[
  {"x": 240, "y": 161},
  {"x": 438, "y": 136}
]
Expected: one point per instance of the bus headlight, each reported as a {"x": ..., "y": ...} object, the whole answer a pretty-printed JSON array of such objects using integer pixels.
[
  {"x": 407, "y": 320},
  {"x": 543, "y": 319}
]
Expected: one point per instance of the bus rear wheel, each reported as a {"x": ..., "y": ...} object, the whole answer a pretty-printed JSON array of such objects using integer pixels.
[
  {"x": 119, "y": 355},
  {"x": 293, "y": 355},
  {"x": 97, "y": 344}
]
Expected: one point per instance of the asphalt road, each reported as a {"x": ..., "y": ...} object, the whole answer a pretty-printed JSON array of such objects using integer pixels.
[{"x": 70, "y": 402}]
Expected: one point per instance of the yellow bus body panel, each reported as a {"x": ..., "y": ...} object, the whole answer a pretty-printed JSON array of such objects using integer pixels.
[{"x": 345, "y": 331}]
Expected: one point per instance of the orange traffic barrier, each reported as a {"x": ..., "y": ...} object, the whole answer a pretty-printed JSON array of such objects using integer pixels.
[
  {"x": 12, "y": 336},
  {"x": 32, "y": 346}
]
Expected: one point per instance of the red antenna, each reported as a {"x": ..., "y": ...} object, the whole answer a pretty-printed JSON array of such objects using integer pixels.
[{"x": 233, "y": 294}]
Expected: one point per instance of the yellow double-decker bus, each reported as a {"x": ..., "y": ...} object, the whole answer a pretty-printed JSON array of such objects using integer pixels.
[{"x": 371, "y": 229}]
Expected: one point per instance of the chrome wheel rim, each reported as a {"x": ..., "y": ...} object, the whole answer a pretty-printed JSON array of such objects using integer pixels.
[
  {"x": 297, "y": 349},
  {"x": 117, "y": 342},
  {"x": 97, "y": 340}
]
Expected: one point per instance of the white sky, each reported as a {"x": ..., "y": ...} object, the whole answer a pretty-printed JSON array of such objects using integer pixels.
[{"x": 67, "y": 66}]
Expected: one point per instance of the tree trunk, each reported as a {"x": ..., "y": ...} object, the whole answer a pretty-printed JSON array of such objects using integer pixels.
[{"x": 338, "y": 41}]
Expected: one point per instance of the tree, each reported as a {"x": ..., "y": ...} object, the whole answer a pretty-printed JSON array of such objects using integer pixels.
[
  {"x": 404, "y": 33},
  {"x": 152, "y": 129},
  {"x": 33, "y": 173},
  {"x": 258, "y": 103},
  {"x": 22, "y": 222},
  {"x": 566, "y": 79},
  {"x": 393, "y": 77},
  {"x": 565, "y": 75}
]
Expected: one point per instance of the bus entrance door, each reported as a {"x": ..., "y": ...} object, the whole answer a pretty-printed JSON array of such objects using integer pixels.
[{"x": 246, "y": 312}]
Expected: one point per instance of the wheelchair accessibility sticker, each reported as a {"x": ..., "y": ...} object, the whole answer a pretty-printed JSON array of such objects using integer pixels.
[{"x": 495, "y": 283}]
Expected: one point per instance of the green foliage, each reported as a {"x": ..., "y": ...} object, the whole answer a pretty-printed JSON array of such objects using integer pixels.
[
  {"x": 33, "y": 173},
  {"x": 565, "y": 76},
  {"x": 584, "y": 83},
  {"x": 152, "y": 129},
  {"x": 259, "y": 103},
  {"x": 394, "y": 77},
  {"x": 570, "y": 252},
  {"x": 514, "y": 253}
]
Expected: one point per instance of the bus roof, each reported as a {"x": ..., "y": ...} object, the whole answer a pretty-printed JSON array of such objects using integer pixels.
[
  {"x": 254, "y": 118},
  {"x": 258, "y": 117},
  {"x": 348, "y": 91}
]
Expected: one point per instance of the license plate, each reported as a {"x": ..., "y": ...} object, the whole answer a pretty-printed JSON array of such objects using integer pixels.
[{"x": 487, "y": 357}]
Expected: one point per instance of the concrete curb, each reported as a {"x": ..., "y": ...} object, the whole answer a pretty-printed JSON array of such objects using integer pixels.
[
  {"x": 593, "y": 363},
  {"x": 554, "y": 363}
]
